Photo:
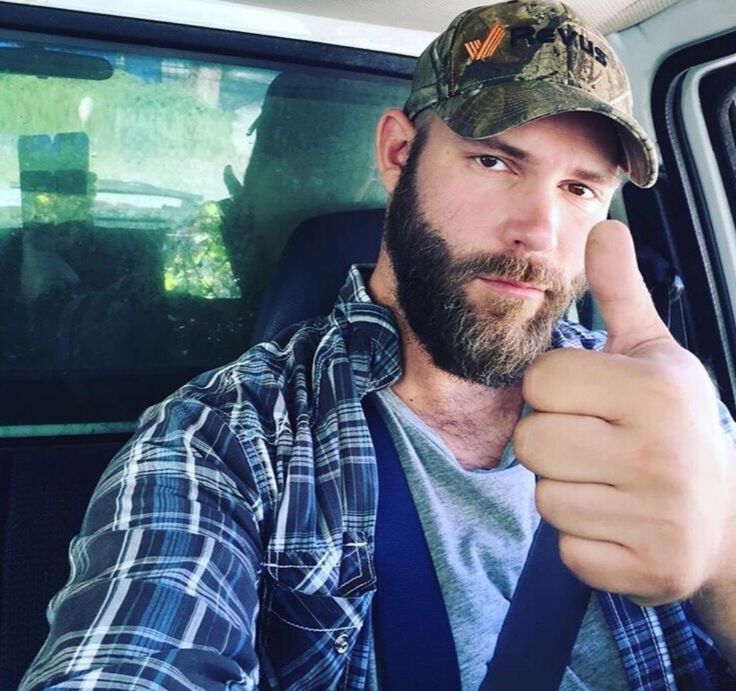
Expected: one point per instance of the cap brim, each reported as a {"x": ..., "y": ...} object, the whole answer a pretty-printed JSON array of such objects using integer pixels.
[{"x": 497, "y": 108}]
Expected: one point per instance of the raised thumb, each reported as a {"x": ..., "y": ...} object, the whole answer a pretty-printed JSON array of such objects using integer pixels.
[{"x": 619, "y": 289}]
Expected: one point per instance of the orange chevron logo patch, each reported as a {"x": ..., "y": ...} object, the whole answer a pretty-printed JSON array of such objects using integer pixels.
[{"x": 482, "y": 50}]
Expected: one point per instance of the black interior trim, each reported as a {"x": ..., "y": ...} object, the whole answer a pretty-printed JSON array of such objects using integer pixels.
[
  {"x": 713, "y": 335},
  {"x": 220, "y": 42}
]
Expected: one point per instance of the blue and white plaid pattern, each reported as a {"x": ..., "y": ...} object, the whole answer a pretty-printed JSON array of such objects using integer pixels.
[{"x": 228, "y": 545}]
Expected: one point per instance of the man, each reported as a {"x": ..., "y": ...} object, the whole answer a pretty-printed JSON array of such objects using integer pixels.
[{"x": 230, "y": 544}]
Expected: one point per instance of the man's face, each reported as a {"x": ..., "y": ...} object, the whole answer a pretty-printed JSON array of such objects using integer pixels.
[{"x": 487, "y": 238}]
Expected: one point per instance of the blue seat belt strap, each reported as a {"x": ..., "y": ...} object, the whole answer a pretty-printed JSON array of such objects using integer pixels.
[
  {"x": 539, "y": 631},
  {"x": 413, "y": 640}
]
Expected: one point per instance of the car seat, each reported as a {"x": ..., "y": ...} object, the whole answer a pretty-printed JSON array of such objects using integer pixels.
[{"x": 313, "y": 266}]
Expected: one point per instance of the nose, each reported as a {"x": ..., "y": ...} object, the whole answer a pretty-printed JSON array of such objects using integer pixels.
[{"x": 533, "y": 222}]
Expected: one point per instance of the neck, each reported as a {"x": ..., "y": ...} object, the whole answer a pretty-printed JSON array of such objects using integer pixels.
[{"x": 475, "y": 421}]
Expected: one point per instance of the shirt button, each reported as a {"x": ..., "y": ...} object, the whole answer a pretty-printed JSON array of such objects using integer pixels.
[{"x": 342, "y": 643}]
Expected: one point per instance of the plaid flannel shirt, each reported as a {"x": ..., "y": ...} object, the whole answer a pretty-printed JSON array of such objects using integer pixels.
[{"x": 228, "y": 545}]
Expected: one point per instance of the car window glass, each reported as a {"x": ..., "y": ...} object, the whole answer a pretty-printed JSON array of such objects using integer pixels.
[{"x": 144, "y": 199}]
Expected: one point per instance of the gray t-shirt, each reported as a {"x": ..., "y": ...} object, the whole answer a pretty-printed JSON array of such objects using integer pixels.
[{"x": 479, "y": 525}]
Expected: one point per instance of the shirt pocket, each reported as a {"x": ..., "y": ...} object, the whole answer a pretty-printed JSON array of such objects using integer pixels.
[{"x": 314, "y": 606}]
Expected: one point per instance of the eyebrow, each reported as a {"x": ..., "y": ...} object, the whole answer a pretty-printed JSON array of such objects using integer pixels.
[{"x": 497, "y": 144}]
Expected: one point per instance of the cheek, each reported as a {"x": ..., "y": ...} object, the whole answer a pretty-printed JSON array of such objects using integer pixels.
[
  {"x": 454, "y": 218},
  {"x": 441, "y": 197},
  {"x": 448, "y": 194}
]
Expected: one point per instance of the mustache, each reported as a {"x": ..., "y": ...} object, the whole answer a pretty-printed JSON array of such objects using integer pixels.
[{"x": 511, "y": 267}]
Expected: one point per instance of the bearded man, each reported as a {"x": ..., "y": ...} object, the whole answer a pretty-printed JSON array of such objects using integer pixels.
[{"x": 232, "y": 543}]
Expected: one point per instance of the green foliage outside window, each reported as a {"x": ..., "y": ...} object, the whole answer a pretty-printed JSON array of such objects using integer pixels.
[
  {"x": 197, "y": 261},
  {"x": 160, "y": 135}
]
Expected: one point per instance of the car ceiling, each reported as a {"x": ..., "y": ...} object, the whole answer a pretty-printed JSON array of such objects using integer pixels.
[{"x": 608, "y": 15}]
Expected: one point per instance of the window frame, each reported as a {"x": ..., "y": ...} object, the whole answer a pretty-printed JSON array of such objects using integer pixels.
[
  {"x": 202, "y": 40},
  {"x": 699, "y": 223}
]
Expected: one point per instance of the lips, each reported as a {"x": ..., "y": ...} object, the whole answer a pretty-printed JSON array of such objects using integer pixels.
[{"x": 515, "y": 288}]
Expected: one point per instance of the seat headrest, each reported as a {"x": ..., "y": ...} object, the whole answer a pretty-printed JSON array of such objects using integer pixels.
[{"x": 313, "y": 266}]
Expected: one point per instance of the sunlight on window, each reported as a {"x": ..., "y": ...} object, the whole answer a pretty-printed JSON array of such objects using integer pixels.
[
  {"x": 196, "y": 261},
  {"x": 157, "y": 137}
]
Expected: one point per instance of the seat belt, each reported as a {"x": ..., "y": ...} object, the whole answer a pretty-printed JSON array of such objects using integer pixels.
[
  {"x": 413, "y": 640},
  {"x": 415, "y": 650},
  {"x": 541, "y": 625}
]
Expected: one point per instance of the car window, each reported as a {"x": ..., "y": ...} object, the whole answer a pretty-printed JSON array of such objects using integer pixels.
[{"x": 145, "y": 196}]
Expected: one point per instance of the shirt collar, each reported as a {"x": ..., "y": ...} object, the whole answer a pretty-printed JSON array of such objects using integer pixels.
[{"x": 370, "y": 333}]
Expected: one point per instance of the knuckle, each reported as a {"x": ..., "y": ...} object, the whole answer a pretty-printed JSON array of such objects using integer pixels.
[
  {"x": 570, "y": 555},
  {"x": 655, "y": 463},
  {"x": 663, "y": 579},
  {"x": 544, "y": 497},
  {"x": 529, "y": 385},
  {"x": 666, "y": 382},
  {"x": 665, "y": 586},
  {"x": 653, "y": 377},
  {"x": 536, "y": 375}
]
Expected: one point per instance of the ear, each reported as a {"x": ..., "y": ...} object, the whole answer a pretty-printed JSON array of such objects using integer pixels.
[{"x": 394, "y": 136}]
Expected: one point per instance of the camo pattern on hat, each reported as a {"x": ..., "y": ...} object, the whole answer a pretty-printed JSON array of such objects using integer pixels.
[{"x": 500, "y": 66}]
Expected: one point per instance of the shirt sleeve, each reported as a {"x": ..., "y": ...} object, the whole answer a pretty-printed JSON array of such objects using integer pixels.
[{"x": 164, "y": 574}]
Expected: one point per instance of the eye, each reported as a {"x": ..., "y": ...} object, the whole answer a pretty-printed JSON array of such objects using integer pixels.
[
  {"x": 490, "y": 162},
  {"x": 580, "y": 190}
]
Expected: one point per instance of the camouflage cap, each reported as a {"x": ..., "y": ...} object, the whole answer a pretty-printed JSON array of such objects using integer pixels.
[{"x": 500, "y": 66}]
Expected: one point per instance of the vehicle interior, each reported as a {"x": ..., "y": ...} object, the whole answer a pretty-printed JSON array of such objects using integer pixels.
[{"x": 177, "y": 183}]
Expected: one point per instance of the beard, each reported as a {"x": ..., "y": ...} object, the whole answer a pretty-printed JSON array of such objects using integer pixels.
[{"x": 492, "y": 343}]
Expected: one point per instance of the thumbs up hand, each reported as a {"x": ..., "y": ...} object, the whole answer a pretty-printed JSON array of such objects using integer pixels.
[{"x": 634, "y": 469}]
